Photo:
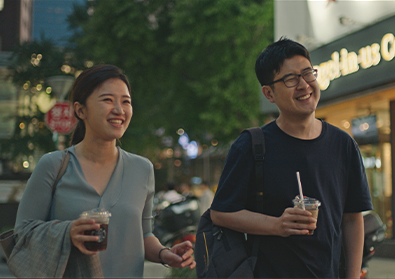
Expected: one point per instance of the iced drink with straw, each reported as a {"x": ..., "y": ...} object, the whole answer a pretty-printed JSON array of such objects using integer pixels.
[
  {"x": 309, "y": 204},
  {"x": 306, "y": 203}
]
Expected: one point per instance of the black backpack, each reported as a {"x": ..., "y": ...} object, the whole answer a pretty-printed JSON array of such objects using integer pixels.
[{"x": 221, "y": 252}]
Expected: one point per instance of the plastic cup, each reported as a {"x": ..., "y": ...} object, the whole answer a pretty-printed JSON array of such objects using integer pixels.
[
  {"x": 310, "y": 204},
  {"x": 101, "y": 217}
]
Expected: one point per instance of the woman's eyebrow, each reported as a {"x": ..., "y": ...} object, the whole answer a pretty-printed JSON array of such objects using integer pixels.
[{"x": 111, "y": 94}]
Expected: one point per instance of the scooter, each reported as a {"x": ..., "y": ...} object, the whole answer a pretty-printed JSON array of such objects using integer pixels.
[
  {"x": 374, "y": 237},
  {"x": 176, "y": 222}
]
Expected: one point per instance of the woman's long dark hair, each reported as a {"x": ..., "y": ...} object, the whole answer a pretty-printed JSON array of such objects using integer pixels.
[{"x": 83, "y": 87}]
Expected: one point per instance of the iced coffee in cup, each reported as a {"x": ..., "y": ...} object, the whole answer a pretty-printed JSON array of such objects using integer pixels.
[
  {"x": 309, "y": 204},
  {"x": 101, "y": 217}
]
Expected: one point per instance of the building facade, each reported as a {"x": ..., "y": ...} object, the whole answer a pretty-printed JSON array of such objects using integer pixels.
[
  {"x": 15, "y": 28},
  {"x": 15, "y": 23},
  {"x": 357, "y": 80},
  {"x": 50, "y": 20}
]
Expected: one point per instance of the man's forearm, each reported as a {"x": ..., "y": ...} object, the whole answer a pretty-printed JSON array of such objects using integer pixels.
[
  {"x": 245, "y": 221},
  {"x": 353, "y": 239},
  {"x": 294, "y": 221}
]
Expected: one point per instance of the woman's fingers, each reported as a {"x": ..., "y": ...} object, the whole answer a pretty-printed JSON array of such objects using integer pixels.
[
  {"x": 77, "y": 230},
  {"x": 184, "y": 252}
]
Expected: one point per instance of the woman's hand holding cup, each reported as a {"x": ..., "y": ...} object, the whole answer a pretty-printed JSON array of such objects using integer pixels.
[{"x": 77, "y": 230}]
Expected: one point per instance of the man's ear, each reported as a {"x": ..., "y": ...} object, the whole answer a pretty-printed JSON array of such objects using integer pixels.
[
  {"x": 79, "y": 110},
  {"x": 268, "y": 93}
]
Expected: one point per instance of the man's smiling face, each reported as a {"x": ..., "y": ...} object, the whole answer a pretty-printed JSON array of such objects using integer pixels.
[{"x": 300, "y": 100}]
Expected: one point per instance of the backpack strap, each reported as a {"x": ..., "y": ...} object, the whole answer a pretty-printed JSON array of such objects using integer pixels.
[{"x": 258, "y": 150}]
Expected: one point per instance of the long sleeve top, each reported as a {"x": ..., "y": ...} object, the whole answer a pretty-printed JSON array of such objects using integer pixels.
[{"x": 128, "y": 197}]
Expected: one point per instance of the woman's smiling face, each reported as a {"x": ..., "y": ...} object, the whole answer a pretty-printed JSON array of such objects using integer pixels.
[{"x": 108, "y": 111}]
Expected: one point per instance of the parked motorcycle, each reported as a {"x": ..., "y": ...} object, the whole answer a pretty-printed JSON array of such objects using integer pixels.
[
  {"x": 176, "y": 222},
  {"x": 374, "y": 237}
]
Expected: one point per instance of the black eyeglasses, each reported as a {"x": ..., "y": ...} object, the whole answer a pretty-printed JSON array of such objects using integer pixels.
[{"x": 292, "y": 80}]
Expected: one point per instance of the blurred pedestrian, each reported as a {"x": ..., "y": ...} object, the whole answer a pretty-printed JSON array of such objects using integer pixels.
[
  {"x": 206, "y": 198},
  {"x": 185, "y": 190},
  {"x": 171, "y": 194},
  {"x": 99, "y": 175}
]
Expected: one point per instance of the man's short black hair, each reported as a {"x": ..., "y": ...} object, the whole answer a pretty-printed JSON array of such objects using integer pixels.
[{"x": 272, "y": 58}]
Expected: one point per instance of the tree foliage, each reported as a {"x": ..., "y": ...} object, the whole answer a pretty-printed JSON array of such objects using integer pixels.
[
  {"x": 190, "y": 62},
  {"x": 31, "y": 63},
  {"x": 34, "y": 61}
]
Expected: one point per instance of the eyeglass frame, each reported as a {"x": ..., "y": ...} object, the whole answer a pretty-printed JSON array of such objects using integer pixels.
[{"x": 314, "y": 71}]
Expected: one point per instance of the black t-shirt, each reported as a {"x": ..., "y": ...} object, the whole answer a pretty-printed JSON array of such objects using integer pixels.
[{"x": 331, "y": 171}]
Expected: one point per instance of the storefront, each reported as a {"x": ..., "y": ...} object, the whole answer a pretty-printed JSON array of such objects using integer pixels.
[{"x": 356, "y": 75}]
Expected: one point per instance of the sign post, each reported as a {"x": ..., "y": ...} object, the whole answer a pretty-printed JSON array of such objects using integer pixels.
[{"x": 60, "y": 119}]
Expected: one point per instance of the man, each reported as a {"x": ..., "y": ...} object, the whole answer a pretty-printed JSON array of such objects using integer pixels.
[{"x": 330, "y": 167}]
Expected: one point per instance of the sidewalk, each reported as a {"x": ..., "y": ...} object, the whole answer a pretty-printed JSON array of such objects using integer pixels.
[
  {"x": 378, "y": 268},
  {"x": 381, "y": 268},
  {"x": 151, "y": 270}
]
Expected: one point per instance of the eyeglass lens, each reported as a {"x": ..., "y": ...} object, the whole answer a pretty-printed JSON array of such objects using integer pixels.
[{"x": 293, "y": 80}]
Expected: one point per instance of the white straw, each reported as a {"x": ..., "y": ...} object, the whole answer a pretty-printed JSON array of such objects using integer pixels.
[{"x": 300, "y": 189}]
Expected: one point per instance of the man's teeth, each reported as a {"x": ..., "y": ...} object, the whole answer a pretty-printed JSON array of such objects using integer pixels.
[
  {"x": 304, "y": 97},
  {"x": 116, "y": 121}
]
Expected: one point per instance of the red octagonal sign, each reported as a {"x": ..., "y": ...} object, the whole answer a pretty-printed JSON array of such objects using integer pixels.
[{"x": 60, "y": 118}]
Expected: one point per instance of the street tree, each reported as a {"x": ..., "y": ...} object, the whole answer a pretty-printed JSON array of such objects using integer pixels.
[
  {"x": 30, "y": 64},
  {"x": 190, "y": 63}
]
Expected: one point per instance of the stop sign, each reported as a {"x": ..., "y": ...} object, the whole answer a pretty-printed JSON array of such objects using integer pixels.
[{"x": 60, "y": 118}]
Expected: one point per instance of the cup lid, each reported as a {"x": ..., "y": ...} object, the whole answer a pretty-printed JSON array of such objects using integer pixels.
[
  {"x": 96, "y": 212},
  {"x": 307, "y": 200}
]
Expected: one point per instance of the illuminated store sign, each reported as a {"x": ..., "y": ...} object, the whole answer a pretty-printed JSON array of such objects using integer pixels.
[{"x": 345, "y": 62}]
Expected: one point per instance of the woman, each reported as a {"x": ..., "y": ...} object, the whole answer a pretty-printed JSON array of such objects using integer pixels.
[{"x": 98, "y": 175}]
